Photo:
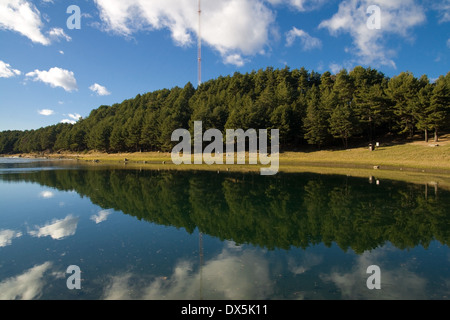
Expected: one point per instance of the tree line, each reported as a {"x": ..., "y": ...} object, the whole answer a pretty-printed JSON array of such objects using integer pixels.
[
  {"x": 307, "y": 107},
  {"x": 280, "y": 212}
]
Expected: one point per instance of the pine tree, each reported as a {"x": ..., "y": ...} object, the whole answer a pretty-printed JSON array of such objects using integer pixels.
[
  {"x": 342, "y": 123},
  {"x": 439, "y": 108},
  {"x": 316, "y": 120},
  {"x": 117, "y": 140},
  {"x": 369, "y": 100},
  {"x": 424, "y": 115},
  {"x": 402, "y": 91}
]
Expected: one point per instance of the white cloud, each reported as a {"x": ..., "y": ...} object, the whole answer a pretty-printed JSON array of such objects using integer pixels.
[
  {"x": 443, "y": 7},
  {"x": 235, "y": 59},
  {"x": 57, "y": 229},
  {"x": 335, "y": 68},
  {"x": 61, "y": 52},
  {"x": 58, "y": 33},
  {"x": 23, "y": 17},
  {"x": 56, "y": 77},
  {"x": 68, "y": 121},
  {"x": 308, "y": 42},
  {"x": 46, "y": 112},
  {"x": 397, "y": 17},
  {"x": 6, "y": 237},
  {"x": 230, "y": 26},
  {"x": 6, "y": 71},
  {"x": 101, "y": 216},
  {"x": 26, "y": 286},
  {"x": 100, "y": 90},
  {"x": 300, "y": 5},
  {"x": 73, "y": 118}
]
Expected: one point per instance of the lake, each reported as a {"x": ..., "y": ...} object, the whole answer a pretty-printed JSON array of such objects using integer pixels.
[{"x": 191, "y": 235}]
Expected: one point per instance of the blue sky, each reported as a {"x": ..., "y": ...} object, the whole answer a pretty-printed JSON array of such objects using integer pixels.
[{"x": 50, "y": 73}]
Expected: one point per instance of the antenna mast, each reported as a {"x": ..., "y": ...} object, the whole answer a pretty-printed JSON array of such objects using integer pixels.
[{"x": 199, "y": 43}]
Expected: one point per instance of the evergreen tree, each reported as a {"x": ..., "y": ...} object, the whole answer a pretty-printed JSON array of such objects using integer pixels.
[
  {"x": 424, "y": 116},
  {"x": 342, "y": 124},
  {"x": 315, "y": 122},
  {"x": 117, "y": 140},
  {"x": 403, "y": 92},
  {"x": 306, "y": 107},
  {"x": 133, "y": 131},
  {"x": 439, "y": 108},
  {"x": 369, "y": 100}
]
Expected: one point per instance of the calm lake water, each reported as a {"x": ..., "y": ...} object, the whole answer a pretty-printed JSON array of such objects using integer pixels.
[{"x": 141, "y": 234}]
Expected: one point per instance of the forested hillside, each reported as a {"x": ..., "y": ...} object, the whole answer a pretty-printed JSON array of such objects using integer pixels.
[{"x": 309, "y": 109}]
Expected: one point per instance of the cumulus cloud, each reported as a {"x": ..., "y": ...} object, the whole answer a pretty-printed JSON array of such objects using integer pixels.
[
  {"x": 26, "y": 286},
  {"x": 68, "y": 121},
  {"x": 101, "y": 216},
  {"x": 308, "y": 42},
  {"x": 46, "y": 112},
  {"x": 6, "y": 237},
  {"x": 6, "y": 71},
  {"x": 57, "y": 229},
  {"x": 234, "y": 59},
  {"x": 23, "y": 17},
  {"x": 99, "y": 90},
  {"x": 55, "y": 77},
  {"x": 397, "y": 17},
  {"x": 73, "y": 118},
  {"x": 232, "y": 27}
]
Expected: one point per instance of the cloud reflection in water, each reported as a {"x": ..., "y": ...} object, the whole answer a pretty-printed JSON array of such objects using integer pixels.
[
  {"x": 231, "y": 275},
  {"x": 57, "y": 229}
]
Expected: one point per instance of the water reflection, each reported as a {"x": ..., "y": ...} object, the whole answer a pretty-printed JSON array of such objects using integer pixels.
[
  {"x": 308, "y": 261},
  {"x": 101, "y": 216},
  {"x": 57, "y": 229},
  {"x": 249, "y": 274},
  {"x": 233, "y": 236},
  {"x": 397, "y": 283},
  {"x": 295, "y": 210},
  {"x": 47, "y": 194},
  {"x": 6, "y": 237},
  {"x": 26, "y": 286},
  {"x": 231, "y": 275}
]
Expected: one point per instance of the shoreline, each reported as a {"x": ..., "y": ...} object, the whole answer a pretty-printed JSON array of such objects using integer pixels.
[
  {"x": 417, "y": 156},
  {"x": 414, "y": 162}
]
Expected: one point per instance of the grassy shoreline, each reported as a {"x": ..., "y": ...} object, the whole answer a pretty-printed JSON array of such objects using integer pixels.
[
  {"x": 413, "y": 155},
  {"x": 416, "y": 162}
]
